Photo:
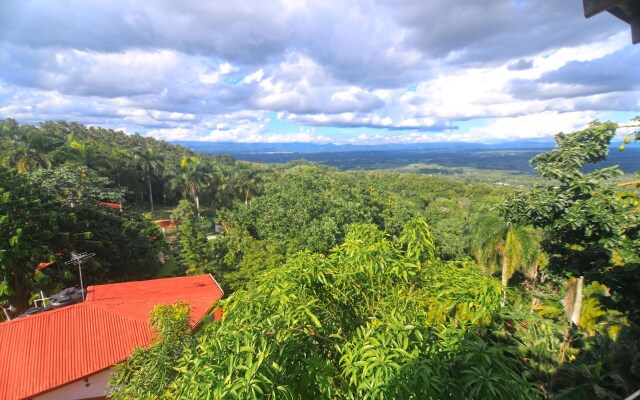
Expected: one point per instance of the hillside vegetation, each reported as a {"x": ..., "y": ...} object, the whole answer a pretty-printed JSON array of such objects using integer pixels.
[{"x": 346, "y": 285}]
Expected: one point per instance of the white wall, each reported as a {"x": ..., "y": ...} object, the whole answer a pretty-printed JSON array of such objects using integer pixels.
[{"x": 90, "y": 387}]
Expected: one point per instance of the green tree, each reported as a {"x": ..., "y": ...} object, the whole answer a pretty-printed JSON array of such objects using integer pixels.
[
  {"x": 38, "y": 224},
  {"x": 365, "y": 321},
  {"x": 581, "y": 212},
  {"x": 195, "y": 252},
  {"x": 590, "y": 228},
  {"x": 30, "y": 233},
  {"x": 27, "y": 148},
  {"x": 73, "y": 185},
  {"x": 150, "y": 368},
  {"x": 190, "y": 177},
  {"x": 497, "y": 245},
  {"x": 150, "y": 164},
  {"x": 222, "y": 196},
  {"x": 247, "y": 183}
]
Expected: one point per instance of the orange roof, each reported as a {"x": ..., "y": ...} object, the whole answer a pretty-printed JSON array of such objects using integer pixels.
[
  {"x": 51, "y": 349},
  {"x": 44, "y": 265},
  {"x": 111, "y": 205},
  {"x": 166, "y": 223}
]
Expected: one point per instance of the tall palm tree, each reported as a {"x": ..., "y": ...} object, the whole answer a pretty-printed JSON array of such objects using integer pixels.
[
  {"x": 190, "y": 177},
  {"x": 223, "y": 192},
  {"x": 27, "y": 149},
  {"x": 150, "y": 164},
  {"x": 247, "y": 183},
  {"x": 497, "y": 244}
]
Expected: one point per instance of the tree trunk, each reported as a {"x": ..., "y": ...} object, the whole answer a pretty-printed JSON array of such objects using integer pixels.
[
  {"x": 505, "y": 271},
  {"x": 534, "y": 283},
  {"x": 505, "y": 278},
  {"x": 577, "y": 307},
  {"x": 198, "y": 205},
  {"x": 150, "y": 192},
  {"x": 533, "y": 275}
]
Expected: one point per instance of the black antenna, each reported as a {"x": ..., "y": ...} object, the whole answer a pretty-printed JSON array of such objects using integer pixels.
[{"x": 78, "y": 258}]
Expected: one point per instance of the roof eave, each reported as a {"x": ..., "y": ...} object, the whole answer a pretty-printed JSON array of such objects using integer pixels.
[{"x": 626, "y": 10}]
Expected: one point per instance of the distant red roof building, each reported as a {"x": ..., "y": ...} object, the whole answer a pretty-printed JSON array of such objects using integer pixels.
[
  {"x": 115, "y": 206},
  {"x": 44, "y": 265},
  {"x": 166, "y": 223},
  {"x": 56, "y": 348}
]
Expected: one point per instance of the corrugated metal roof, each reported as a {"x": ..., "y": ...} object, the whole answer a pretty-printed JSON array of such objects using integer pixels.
[{"x": 47, "y": 350}]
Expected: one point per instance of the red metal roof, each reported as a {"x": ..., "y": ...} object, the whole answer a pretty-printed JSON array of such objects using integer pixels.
[
  {"x": 166, "y": 223},
  {"x": 44, "y": 265},
  {"x": 48, "y": 350},
  {"x": 116, "y": 206}
]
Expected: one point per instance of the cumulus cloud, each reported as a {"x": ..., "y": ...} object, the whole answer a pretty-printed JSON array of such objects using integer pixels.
[
  {"x": 531, "y": 126},
  {"x": 494, "y": 31},
  {"x": 615, "y": 72},
  {"x": 520, "y": 65},
  {"x": 300, "y": 85},
  {"x": 410, "y": 70}
]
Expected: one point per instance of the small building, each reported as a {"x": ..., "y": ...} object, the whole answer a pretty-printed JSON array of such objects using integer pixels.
[
  {"x": 69, "y": 353},
  {"x": 115, "y": 206},
  {"x": 166, "y": 224}
]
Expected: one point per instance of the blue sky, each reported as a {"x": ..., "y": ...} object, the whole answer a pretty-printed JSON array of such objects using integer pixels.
[{"x": 362, "y": 72}]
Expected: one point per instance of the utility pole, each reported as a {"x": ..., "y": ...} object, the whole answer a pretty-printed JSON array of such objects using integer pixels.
[{"x": 78, "y": 259}]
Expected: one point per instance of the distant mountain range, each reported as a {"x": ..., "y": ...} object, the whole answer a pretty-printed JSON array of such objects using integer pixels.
[
  {"x": 248, "y": 148},
  {"x": 508, "y": 156}
]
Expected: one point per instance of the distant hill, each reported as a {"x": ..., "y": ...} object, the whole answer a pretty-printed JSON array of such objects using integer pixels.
[
  {"x": 246, "y": 148},
  {"x": 508, "y": 156}
]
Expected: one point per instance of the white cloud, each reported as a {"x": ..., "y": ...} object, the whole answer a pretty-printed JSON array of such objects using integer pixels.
[
  {"x": 216, "y": 70},
  {"x": 171, "y": 134},
  {"x": 254, "y": 77},
  {"x": 211, "y": 77},
  {"x": 531, "y": 126}
]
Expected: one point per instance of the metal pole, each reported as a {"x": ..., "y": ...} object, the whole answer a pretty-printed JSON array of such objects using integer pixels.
[
  {"x": 81, "y": 284},
  {"x": 77, "y": 259},
  {"x": 633, "y": 395},
  {"x": 6, "y": 314}
]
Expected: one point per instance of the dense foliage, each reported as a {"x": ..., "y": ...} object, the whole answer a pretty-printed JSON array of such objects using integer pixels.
[
  {"x": 338, "y": 289},
  {"x": 55, "y": 178},
  {"x": 39, "y": 224},
  {"x": 375, "y": 318}
]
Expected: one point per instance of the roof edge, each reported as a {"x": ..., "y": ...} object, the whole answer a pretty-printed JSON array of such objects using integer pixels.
[
  {"x": 217, "y": 284},
  {"x": 71, "y": 382}
]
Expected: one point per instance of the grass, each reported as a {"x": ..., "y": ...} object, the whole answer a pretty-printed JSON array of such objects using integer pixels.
[
  {"x": 162, "y": 212},
  {"x": 474, "y": 175}
]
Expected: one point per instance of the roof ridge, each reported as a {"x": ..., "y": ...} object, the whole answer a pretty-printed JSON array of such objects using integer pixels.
[
  {"x": 40, "y": 314},
  {"x": 106, "y": 308},
  {"x": 119, "y": 300}
]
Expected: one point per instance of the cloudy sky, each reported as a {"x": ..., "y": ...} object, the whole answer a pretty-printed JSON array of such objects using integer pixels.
[{"x": 328, "y": 71}]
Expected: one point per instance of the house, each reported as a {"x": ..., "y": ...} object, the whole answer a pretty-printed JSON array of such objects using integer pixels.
[
  {"x": 68, "y": 353},
  {"x": 165, "y": 223},
  {"x": 115, "y": 206}
]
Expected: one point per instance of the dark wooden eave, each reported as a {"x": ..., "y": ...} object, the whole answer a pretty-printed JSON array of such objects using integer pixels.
[{"x": 626, "y": 10}]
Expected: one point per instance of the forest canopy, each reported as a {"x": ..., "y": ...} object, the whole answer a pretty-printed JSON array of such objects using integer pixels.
[{"x": 341, "y": 284}]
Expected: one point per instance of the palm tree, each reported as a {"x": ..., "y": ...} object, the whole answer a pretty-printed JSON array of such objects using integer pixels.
[
  {"x": 28, "y": 148},
  {"x": 247, "y": 183},
  {"x": 222, "y": 194},
  {"x": 497, "y": 244},
  {"x": 150, "y": 164},
  {"x": 190, "y": 177}
]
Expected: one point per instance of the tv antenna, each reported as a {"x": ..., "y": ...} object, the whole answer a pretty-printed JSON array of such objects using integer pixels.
[{"x": 78, "y": 258}]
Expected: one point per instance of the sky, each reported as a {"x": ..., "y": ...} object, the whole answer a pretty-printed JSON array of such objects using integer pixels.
[{"x": 320, "y": 71}]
